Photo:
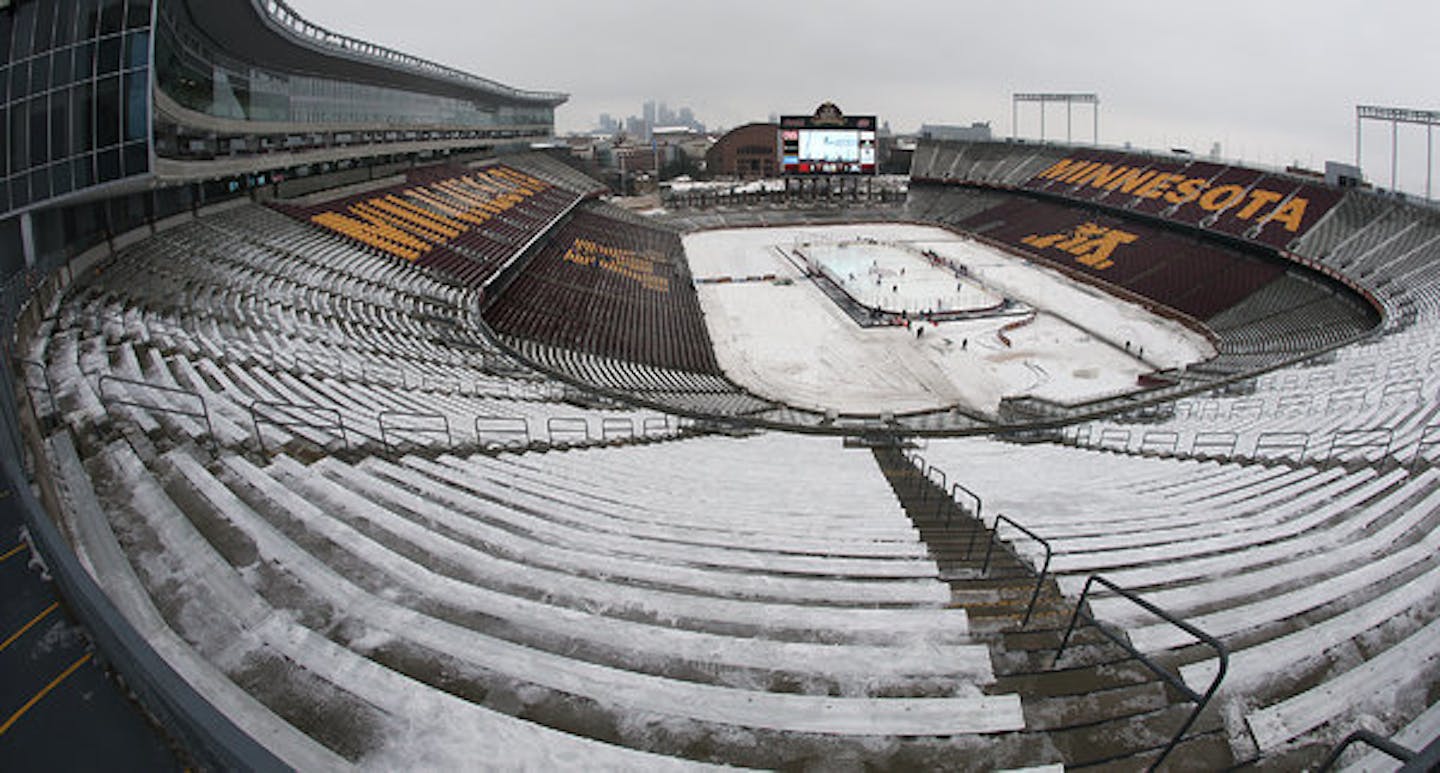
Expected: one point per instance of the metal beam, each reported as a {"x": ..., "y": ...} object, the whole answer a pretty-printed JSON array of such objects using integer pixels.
[
  {"x": 1399, "y": 114},
  {"x": 1396, "y": 116},
  {"x": 1087, "y": 99},
  {"x": 1069, "y": 99}
]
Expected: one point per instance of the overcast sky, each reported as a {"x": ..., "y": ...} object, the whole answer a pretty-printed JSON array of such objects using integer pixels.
[{"x": 1273, "y": 81}]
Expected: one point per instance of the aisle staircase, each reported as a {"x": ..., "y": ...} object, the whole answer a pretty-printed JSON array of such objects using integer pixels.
[{"x": 1100, "y": 708}]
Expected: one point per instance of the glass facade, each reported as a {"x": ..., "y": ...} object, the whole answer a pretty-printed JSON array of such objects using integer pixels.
[
  {"x": 75, "y": 90},
  {"x": 200, "y": 78},
  {"x": 78, "y": 101}
]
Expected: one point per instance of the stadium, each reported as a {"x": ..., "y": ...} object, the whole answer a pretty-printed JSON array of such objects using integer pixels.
[{"x": 347, "y": 426}]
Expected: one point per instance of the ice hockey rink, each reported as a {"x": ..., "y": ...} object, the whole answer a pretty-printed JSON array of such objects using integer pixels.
[{"x": 779, "y": 335}]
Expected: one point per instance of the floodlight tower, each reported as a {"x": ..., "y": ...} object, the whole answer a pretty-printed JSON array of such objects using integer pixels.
[
  {"x": 1396, "y": 116},
  {"x": 1069, "y": 99}
]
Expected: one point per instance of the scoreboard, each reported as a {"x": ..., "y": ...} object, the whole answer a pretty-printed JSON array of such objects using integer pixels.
[{"x": 827, "y": 144}]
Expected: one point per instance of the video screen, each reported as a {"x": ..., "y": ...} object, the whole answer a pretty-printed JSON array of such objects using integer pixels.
[{"x": 827, "y": 151}]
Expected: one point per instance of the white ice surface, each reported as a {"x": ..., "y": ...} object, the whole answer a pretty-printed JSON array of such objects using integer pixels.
[
  {"x": 896, "y": 277},
  {"x": 791, "y": 343}
]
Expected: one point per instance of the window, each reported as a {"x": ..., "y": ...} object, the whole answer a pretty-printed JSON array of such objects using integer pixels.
[
  {"x": 137, "y": 14},
  {"x": 107, "y": 112},
  {"x": 137, "y": 104},
  {"x": 44, "y": 26},
  {"x": 82, "y": 97},
  {"x": 19, "y": 80},
  {"x": 112, "y": 16},
  {"x": 137, "y": 49},
  {"x": 19, "y": 147},
  {"x": 24, "y": 30},
  {"x": 136, "y": 158},
  {"x": 60, "y": 70},
  {"x": 60, "y": 125},
  {"x": 7, "y": 26},
  {"x": 40, "y": 74},
  {"x": 39, "y": 130},
  {"x": 85, "y": 60},
  {"x": 107, "y": 165},
  {"x": 109, "y": 54}
]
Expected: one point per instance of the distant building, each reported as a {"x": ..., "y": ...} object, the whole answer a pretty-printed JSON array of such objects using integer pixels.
[
  {"x": 1343, "y": 175},
  {"x": 748, "y": 152},
  {"x": 975, "y": 132}
]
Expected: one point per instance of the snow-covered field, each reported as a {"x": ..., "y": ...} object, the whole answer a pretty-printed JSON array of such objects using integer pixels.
[
  {"x": 895, "y": 277},
  {"x": 789, "y": 342}
]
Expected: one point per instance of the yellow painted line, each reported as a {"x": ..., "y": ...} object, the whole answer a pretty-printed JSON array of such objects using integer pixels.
[
  {"x": 14, "y": 550},
  {"x": 36, "y": 698},
  {"x": 28, "y": 625}
]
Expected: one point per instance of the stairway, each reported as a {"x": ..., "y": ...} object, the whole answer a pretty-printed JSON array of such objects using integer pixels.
[{"x": 1101, "y": 709}]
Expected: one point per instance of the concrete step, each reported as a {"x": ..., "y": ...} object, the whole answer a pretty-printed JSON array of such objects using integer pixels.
[{"x": 1102, "y": 708}]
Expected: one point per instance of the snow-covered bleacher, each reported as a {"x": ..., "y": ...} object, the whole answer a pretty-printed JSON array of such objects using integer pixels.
[
  {"x": 280, "y": 444},
  {"x": 375, "y": 537},
  {"x": 1321, "y": 581},
  {"x": 759, "y": 600},
  {"x": 272, "y": 332}
]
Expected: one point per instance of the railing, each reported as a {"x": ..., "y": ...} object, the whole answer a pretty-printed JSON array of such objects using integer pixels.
[
  {"x": 289, "y": 415},
  {"x": 956, "y": 489},
  {"x": 1115, "y": 439},
  {"x": 1039, "y": 575},
  {"x": 662, "y": 423},
  {"x": 1214, "y": 444},
  {"x": 567, "y": 426},
  {"x": 927, "y": 473},
  {"x": 1159, "y": 442},
  {"x": 1281, "y": 444},
  {"x": 512, "y": 431},
  {"x": 125, "y": 398},
  {"x": 1429, "y": 438},
  {"x": 930, "y": 473},
  {"x": 285, "y": 17},
  {"x": 1410, "y": 389},
  {"x": 1200, "y": 700},
  {"x": 1368, "y": 738},
  {"x": 209, "y": 735},
  {"x": 1362, "y": 440},
  {"x": 616, "y": 427},
  {"x": 417, "y": 425}
]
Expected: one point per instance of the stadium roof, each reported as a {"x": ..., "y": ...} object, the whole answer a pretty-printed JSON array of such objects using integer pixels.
[{"x": 270, "y": 31}]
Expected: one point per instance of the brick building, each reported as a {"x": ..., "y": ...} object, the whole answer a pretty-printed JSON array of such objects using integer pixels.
[{"x": 747, "y": 152}]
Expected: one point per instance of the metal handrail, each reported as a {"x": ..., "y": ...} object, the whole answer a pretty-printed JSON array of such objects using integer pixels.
[
  {"x": 1282, "y": 442},
  {"x": 1429, "y": 438},
  {"x": 292, "y": 419},
  {"x": 925, "y": 469},
  {"x": 1039, "y": 576},
  {"x": 1222, "y": 654},
  {"x": 443, "y": 429},
  {"x": 1368, "y": 738},
  {"x": 204, "y": 411},
  {"x": 287, "y": 19},
  {"x": 566, "y": 424},
  {"x": 1361, "y": 440},
  {"x": 955, "y": 489},
  {"x": 622, "y": 426},
  {"x": 930, "y": 477},
  {"x": 504, "y": 426},
  {"x": 1208, "y": 442},
  {"x": 1155, "y": 441}
]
